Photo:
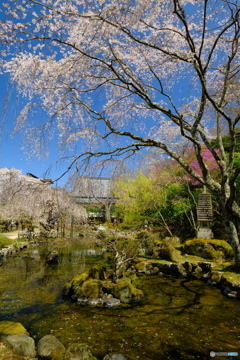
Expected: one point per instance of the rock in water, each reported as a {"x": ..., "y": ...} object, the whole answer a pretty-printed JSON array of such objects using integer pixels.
[
  {"x": 22, "y": 345},
  {"x": 51, "y": 348},
  {"x": 11, "y": 328},
  {"x": 79, "y": 352},
  {"x": 52, "y": 257}
]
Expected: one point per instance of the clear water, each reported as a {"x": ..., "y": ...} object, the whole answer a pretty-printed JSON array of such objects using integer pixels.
[{"x": 179, "y": 318}]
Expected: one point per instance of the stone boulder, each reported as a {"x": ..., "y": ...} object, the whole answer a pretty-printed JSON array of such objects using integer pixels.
[
  {"x": 90, "y": 288},
  {"x": 85, "y": 285},
  {"x": 11, "y": 328},
  {"x": 49, "y": 347},
  {"x": 172, "y": 241},
  {"x": 181, "y": 269},
  {"x": 79, "y": 352},
  {"x": 102, "y": 232},
  {"x": 212, "y": 249},
  {"x": 22, "y": 345},
  {"x": 126, "y": 292},
  {"x": 52, "y": 257}
]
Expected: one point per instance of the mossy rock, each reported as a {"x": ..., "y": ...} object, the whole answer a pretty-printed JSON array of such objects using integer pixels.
[
  {"x": 134, "y": 278},
  {"x": 230, "y": 284},
  {"x": 11, "y": 328},
  {"x": 91, "y": 289},
  {"x": 79, "y": 352},
  {"x": 212, "y": 249},
  {"x": 144, "y": 266},
  {"x": 79, "y": 279},
  {"x": 215, "y": 277},
  {"x": 73, "y": 288},
  {"x": 126, "y": 292},
  {"x": 67, "y": 288},
  {"x": 97, "y": 272},
  {"x": 108, "y": 287},
  {"x": 86, "y": 288},
  {"x": 165, "y": 253},
  {"x": 231, "y": 278},
  {"x": 22, "y": 345},
  {"x": 172, "y": 241},
  {"x": 49, "y": 347}
]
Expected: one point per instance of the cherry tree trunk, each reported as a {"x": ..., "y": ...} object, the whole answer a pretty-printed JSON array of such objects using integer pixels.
[
  {"x": 231, "y": 228},
  {"x": 107, "y": 213}
]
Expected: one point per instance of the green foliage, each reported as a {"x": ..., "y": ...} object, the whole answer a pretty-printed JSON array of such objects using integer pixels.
[
  {"x": 159, "y": 199},
  {"x": 137, "y": 198},
  {"x": 227, "y": 143}
]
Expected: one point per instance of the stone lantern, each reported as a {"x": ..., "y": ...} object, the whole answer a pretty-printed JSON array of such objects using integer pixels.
[{"x": 204, "y": 215}]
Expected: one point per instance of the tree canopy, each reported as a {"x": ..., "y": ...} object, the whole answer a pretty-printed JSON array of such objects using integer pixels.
[
  {"x": 162, "y": 199},
  {"x": 25, "y": 198},
  {"x": 123, "y": 76}
]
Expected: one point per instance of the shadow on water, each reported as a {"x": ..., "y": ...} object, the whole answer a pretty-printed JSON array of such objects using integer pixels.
[{"x": 179, "y": 318}]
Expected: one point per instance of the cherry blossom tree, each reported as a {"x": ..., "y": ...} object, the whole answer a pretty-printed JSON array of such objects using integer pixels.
[
  {"x": 118, "y": 77},
  {"x": 26, "y": 198}
]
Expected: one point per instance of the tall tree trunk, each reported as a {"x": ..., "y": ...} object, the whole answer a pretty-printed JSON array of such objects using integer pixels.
[
  {"x": 231, "y": 229},
  {"x": 107, "y": 213},
  {"x": 71, "y": 230}
]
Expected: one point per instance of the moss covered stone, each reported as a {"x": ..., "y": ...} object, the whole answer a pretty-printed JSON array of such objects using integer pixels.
[
  {"x": 22, "y": 345},
  {"x": 231, "y": 278},
  {"x": 211, "y": 249},
  {"x": 92, "y": 289},
  {"x": 169, "y": 253},
  {"x": 11, "y": 328},
  {"x": 80, "y": 279},
  {"x": 79, "y": 352},
  {"x": 126, "y": 292},
  {"x": 143, "y": 266},
  {"x": 67, "y": 288},
  {"x": 172, "y": 241},
  {"x": 97, "y": 272},
  {"x": 134, "y": 278},
  {"x": 215, "y": 277},
  {"x": 108, "y": 287},
  {"x": 49, "y": 347},
  {"x": 88, "y": 288},
  {"x": 74, "y": 288}
]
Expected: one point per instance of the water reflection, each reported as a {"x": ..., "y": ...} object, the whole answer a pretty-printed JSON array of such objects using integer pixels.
[{"x": 179, "y": 319}]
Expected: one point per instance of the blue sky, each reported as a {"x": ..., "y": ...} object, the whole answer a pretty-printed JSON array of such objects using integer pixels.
[{"x": 11, "y": 153}]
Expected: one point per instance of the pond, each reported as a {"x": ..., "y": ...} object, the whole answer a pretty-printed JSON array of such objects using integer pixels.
[{"x": 179, "y": 318}]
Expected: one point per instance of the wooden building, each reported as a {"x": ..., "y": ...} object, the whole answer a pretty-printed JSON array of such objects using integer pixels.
[{"x": 94, "y": 191}]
